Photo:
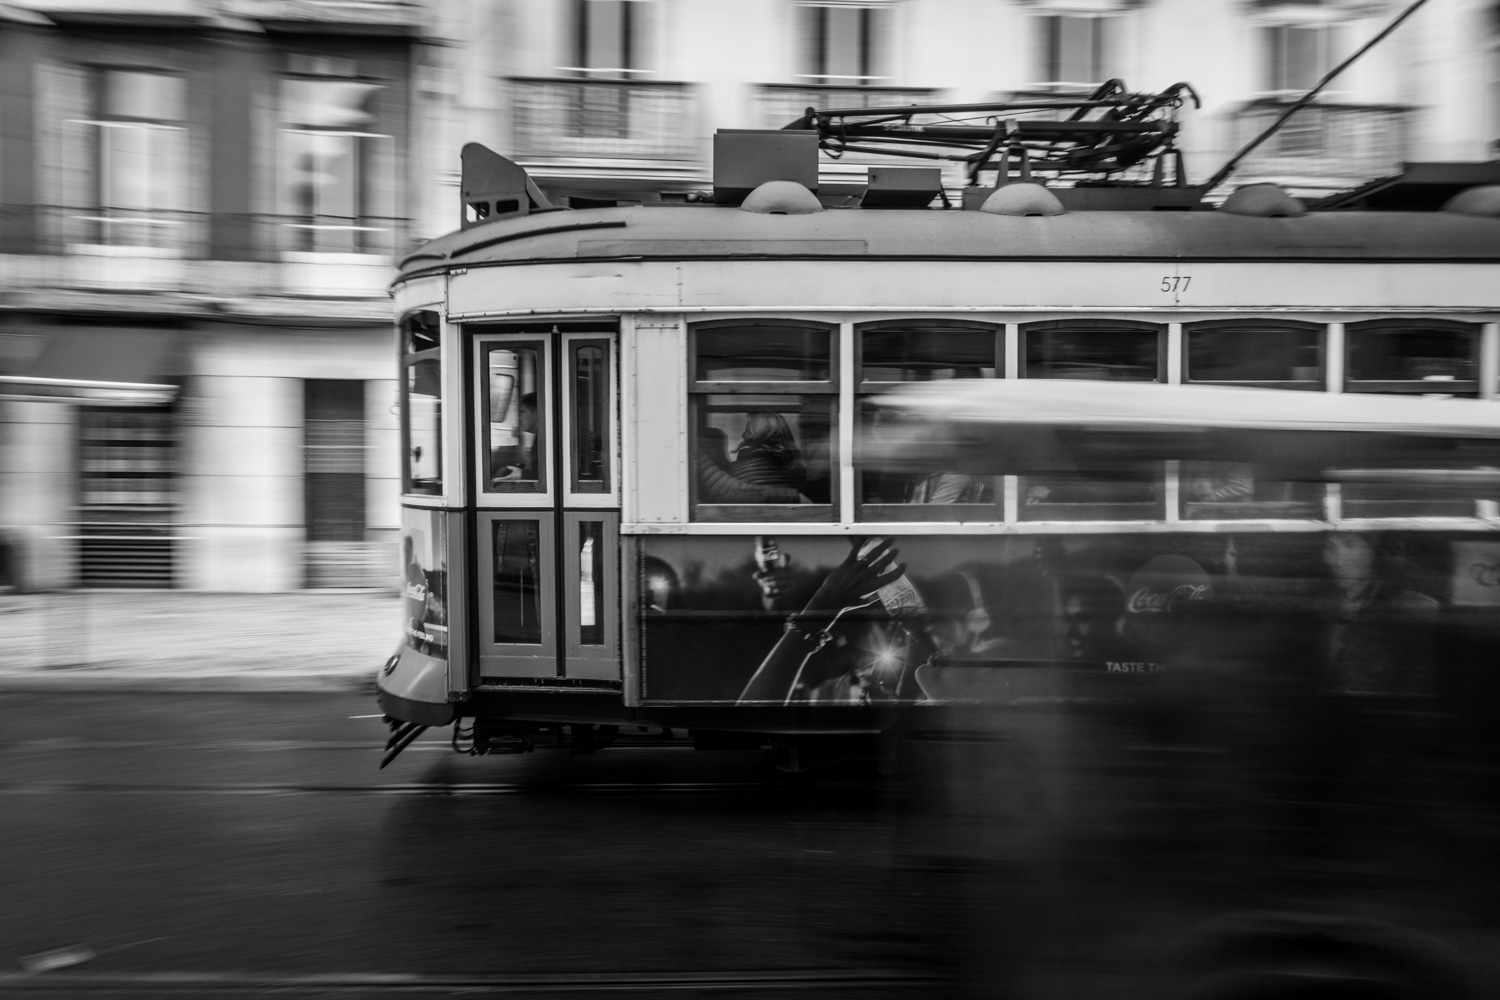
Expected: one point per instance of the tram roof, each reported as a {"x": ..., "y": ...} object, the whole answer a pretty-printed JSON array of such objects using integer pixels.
[{"x": 716, "y": 232}]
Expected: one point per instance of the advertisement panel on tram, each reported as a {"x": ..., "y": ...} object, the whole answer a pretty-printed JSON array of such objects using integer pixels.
[{"x": 789, "y": 620}]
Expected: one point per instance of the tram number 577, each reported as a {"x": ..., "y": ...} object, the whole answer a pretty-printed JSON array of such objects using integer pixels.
[{"x": 1176, "y": 283}]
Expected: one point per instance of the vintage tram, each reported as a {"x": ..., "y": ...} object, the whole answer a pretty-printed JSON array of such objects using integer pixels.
[{"x": 641, "y": 483}]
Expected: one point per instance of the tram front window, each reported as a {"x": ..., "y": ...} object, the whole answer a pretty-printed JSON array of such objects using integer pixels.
[
  {"x": 763, "y": 401},
  {"x": 1102, "y": 350},
  {"x": 422, "y": 404},
  {"x": 515, "y": 399}
]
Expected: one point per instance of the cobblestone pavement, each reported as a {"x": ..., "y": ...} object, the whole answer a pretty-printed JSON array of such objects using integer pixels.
[{"x": 174, "y": 640}]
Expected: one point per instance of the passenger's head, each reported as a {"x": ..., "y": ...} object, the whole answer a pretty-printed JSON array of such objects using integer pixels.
[
  {"x": 767, "y": 430},
  {"x": 958, "y": 611},
  {"x": 1351, "y": 557},
  {"x": 526, "y": 412},
  {"x": 1093, "y": 616}
]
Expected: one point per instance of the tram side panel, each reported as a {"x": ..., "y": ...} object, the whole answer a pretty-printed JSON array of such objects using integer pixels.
[{"x": 413, "y": 685}]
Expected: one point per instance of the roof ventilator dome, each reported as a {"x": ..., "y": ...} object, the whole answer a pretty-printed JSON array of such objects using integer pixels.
[
  {"x": 1264, "y": 201},
  {"x": 781, "y": 198},
  {"x": 1483, "y": 200},
  {"x": 1021, "y": 198}
]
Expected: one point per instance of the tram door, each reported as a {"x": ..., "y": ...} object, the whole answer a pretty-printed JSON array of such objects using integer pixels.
[{"x": 548, "y": 518}]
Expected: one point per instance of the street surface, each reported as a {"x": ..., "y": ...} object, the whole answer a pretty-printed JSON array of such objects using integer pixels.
[{"x": 239, "y": 844}]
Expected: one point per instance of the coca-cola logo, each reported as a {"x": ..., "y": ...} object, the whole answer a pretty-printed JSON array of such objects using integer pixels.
[
  {"x": 1160, "y": 591},
  {"x": 1485, "y": 574},
  {"x": 1149, "y": 601}
]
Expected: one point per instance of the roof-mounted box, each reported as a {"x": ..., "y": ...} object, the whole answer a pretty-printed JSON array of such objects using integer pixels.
[
  {"x": 744, "y": 159},
  {"x": 902, "y": 187}
]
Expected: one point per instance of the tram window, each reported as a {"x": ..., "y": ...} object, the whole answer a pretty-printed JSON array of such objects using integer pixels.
[
  {"x": 763, "y": 412},
  {"x": 1212, "y": 491},
  {"x": 422, "y": 404},
  {"x": 519, "y": 560},
  {"x": 764, "y": 449},
  {"x": 589, "y": 374},
  {"x": 1435, "y": 357},
  {"x": 1268, "y": 354},
  {"x": 891, "y": 353},
  {"x": 763, "y": 351},
  {"x": 591, "y": 582},
  {"x": 1101, "y": 350},
  {"x": 1412, "y": 356},
  {"x": 922, "y": 351},
  {"x": 515, "y": 390}
]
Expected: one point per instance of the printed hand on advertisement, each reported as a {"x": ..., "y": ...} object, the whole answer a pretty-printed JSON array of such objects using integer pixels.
[
  {"x": 775, "y": 584},
  {"x": 855, "y": 581}
]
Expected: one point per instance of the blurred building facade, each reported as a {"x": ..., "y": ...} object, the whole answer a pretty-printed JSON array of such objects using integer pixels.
[
  {"x": 202, "y": 200},
  {"x": 205, "y": 196}
]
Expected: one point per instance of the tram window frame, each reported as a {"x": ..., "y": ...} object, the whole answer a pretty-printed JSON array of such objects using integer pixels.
[
  {"x": 701, "y": 395},
  {"x": 485, "y": 340},
  {"x": 1242, "y": 497},
  {"x": 416, "y": 352},
  {"x": 1373, "y": 500},
  {"x": 1354, "y": 332},
  {"x": 1093, "y": 510},
  {"x": 866, "y": 389},
  {"x": 1251, "y": 328}
]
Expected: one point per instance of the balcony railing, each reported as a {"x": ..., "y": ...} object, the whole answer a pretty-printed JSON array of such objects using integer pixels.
[
  {"x": 1325, "y": 140},
  {"x": 603, "y": 119},
  {"x": 51, "y": 229},
  {"x": 233, "y": 256}
]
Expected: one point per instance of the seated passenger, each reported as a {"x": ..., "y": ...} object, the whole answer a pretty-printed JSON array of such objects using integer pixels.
[
  {"x": 768, "y": 454},
  {"x": 517, "y": 463},
  {"x": 717, "y": 484},
  {"x": 1221, "y": 482},
  {"x": 950, "y": 487}
]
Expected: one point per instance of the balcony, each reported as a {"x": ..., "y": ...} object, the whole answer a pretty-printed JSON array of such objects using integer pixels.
[
  {"x": 1337, "y": 142},
  {"x": 369, "y": 17},
  {"x": 245, "y": 263},
  {"x": 630, "y": 120}
]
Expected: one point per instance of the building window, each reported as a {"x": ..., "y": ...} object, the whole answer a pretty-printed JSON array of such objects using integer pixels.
[
  {"x": 139, "y": 159},
  {"x": 1297, "y": 56},
  {"x": 764, "y": 396},
  {"x": 844, "y": 44},
  {"x": 611, "y": 38},
  {"x": 1077, "y": 49},
  {"x": 336, "y": 170}
]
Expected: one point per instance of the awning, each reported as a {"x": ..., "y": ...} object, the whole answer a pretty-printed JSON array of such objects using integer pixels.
[{"x": 118, "y": 366}]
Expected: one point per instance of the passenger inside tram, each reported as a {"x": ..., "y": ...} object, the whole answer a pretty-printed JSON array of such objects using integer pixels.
[
  {"x": 518, "y": 463},
  {"x": 717, "y": 482},
  {"x": 768, "y": 454}
]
